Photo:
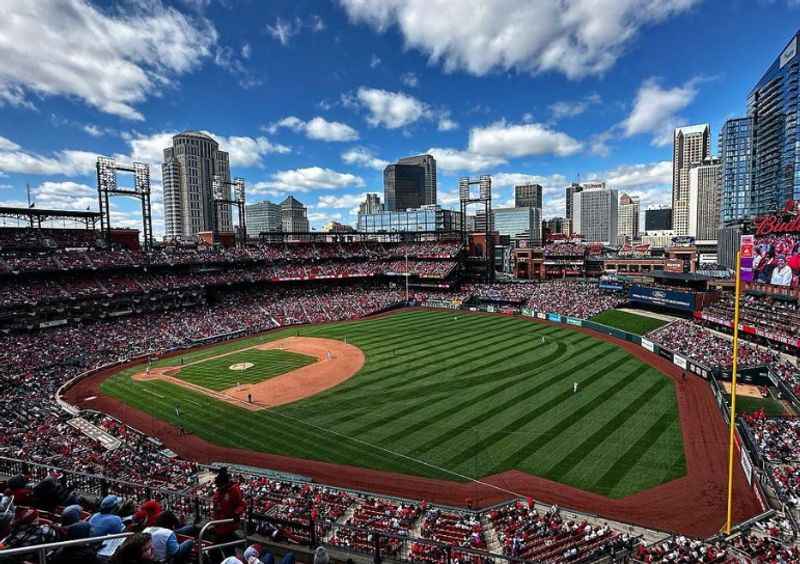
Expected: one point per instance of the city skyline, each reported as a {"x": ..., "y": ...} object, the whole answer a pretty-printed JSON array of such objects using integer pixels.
[{"x": 250, "y": 77}]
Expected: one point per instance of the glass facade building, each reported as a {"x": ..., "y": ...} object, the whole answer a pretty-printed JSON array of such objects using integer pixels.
[
  {"x": 736, "y": 152},
  {"x": 262, "y": 217},
  {"x": 403, "y": 187},
  {"x": 428, "y": 218},
  {"x": 772, "y": 106},
  {"x": 658, "y": 219},
  {"x": 514, "y": 221}
]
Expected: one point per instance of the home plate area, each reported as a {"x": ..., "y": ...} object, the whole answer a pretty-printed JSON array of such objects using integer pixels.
[{"x": 267, "y": 375}]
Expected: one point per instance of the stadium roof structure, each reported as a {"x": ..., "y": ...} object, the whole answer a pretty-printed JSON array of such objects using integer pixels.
[{"x": 39, "y": 215}]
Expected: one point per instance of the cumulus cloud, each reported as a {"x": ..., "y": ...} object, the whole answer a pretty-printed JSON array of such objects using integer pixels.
[
  {"x": 506, "y": 140},
  {"x": 391, "y": 110},
  {"x": 342, "y": 201},
  {"x": 307, "y": 179},
  {"x": 655, "y": 110},
  {"x": 361, "y": 156},
  {"x": 225, "y": 58},
  {"x": 573, "y": 37},
  {"x": 15, "y": 159},
  {"x": 110, "y": 59},
  {"x": 454, "y": 160},
  {"x": 317, "y": 128},
  {"x": 640, "y": 174},
  {"x": 445, "y": 123}
]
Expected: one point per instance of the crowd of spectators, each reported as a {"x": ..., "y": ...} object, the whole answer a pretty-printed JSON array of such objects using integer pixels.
[
  {"x": 576, "y": 298},
  {"x": 774, "y": 318},
  {"x": 565, "y": 249},
  {"x": 777, "y": 438},
  {"x": 682, "y": 549}
]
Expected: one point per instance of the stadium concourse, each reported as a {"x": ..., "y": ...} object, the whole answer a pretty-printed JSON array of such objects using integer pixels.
[{"x": 69, "y": 307}]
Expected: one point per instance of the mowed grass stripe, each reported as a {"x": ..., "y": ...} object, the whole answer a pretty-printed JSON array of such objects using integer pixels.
[
  {"x": 216, "y": 373},
  {"x": 429, "y": 376}
]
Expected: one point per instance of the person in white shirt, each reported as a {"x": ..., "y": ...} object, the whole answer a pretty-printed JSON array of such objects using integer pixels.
[
  {"x": 165, "y": 543},
  {"x": 781, "y": 274}
]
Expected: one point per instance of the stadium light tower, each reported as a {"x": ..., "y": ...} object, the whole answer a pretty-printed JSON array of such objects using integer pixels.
[
  {"x": 107, "y": 186},
  {"x": 221, "y": 202},
  {"x": 484, "y": 196}
]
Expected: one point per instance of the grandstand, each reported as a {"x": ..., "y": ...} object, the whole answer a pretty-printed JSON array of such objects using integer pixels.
[{"x": 75, "y": 312}]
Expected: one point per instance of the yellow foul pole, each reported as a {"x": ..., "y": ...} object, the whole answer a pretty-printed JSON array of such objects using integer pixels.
[{"x": 731, "y": 449}]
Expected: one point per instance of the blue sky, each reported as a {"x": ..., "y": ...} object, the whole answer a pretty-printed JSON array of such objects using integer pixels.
[{"x": 313, "y": 98}]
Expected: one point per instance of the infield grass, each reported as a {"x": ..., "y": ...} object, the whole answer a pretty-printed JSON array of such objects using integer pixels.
[
  {"x": 630, "y": 322},
  {"x": 457, "y": 397},
  {"x": 217, "y": 374}
]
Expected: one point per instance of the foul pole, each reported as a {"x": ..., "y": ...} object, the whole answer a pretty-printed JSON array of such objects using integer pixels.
[{"x": 729, "y": 520}]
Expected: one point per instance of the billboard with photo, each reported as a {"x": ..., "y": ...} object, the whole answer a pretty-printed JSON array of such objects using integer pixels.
[
  {"x": 776, "y": 249},
  {"x": 672, "y": 298}
]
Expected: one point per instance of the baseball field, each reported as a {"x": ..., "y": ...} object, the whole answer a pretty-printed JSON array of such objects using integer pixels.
[{"x": 441, "y": 395}]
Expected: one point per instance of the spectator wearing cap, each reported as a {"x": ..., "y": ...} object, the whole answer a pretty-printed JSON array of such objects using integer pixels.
[
  {"x": 165, "y": 542},
  {"x": 76, "y": 554},
  {"x": 150, "y": 510},
  {"x": 106, "y": 522}
]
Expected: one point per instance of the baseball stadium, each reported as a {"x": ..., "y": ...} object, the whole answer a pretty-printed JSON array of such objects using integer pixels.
[{"x": 387, "y": 398}]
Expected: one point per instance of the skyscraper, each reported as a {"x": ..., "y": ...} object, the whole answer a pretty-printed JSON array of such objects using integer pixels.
[
  {"x": 372, "y": 204},
  {"x": 736, "y": 152},
  {"x": 628, "y": 222},
  {"x": 570, "y": 192},
  {"x": 428, "y": 164},
  {"x": 704, "y": 188},
  {"x": 772, "y": 105},
  {"x": 528, "y": 196},
  {"x": 691, "y": 147},
  {"x": 519, "y": 220},
  {"x": 262, "y": 217},
  {"x": 294, "y": 217},
  {"x": 595, "y": 214},
  {"x": 188, "y": 172},
  {"x": 403, "y": 187},
  {"x": 658, "y": 219}
]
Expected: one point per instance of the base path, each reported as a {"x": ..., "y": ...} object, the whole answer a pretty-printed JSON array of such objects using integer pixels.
[
  {"x": 693, "y": 505},
  {"x": 336, "y": 362}
]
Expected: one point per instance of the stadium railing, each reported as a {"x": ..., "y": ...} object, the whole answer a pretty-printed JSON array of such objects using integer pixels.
[{"x": 42, "y": 550}]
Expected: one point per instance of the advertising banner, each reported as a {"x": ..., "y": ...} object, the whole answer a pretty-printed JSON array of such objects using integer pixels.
[
  {"x": 611, "y": 285},
  {"x": 673, "y": 299},
  {"x": 648, "y": 344},
  {"x": 573, "y": 321},
  {"x": 554, "y": 317},
  {"x": 746, "y": 254},
  {"x": 680, "y": 361},
  {"x": 540, "y": 315},
  {"x": 747, "y": 466}
]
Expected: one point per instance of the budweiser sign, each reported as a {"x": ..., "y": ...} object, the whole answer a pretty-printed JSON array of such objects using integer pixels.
[{"x": 788, "y": 221}]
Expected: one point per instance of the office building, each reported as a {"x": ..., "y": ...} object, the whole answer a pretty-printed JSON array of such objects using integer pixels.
[
  {"x": 403, "y": 187},
  {"x": 515, "y": 221},
  {"x": 480, "y": 222},
  {"x": 691, "y": 147},
  {"x": 658, "y": 239},
  {"x": 552, "y": 226},
  {"x": 188, "y": 173},
  {"x": 425, "y": 219},
  {"x": 569, "y": 193},
  {"x": 428, "y": 164},
  {"x": 704, "y": 190},
  {"x": 595, "y": 214},
  {"x": 262, "y": 217},
  {"x": 528, "y": 196},
  {"x": 336, "y": 227},
  {"x": 294, "y": 216},
  {"x": 372, "y": 204},
  {"x": 658, "y": 219},
  {"x": 628, "y": 221},
  {"x": 736, "y": 153},
  {"x": 772, "y": 106}
]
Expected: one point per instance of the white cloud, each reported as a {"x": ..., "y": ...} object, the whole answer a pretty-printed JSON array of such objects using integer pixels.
[
  {"x": 317, "y": 128},
  {"x": 317, "y": 23},
  {"x": 15, "y": 159},
  {"x": 655, "y": 110},
  {"x": 410, "y": 79},
  {"x": 551, "y": 183},
  {"x": 374, "y": 61},
  {"x": 110, "y": 59},
  {"x": 572, "y": 108},
  {"x": 246, "y": 51},
  {"x": 284, "y": 30},
  {"x": 7, "y": 145},
  {"x": 65, "y": 195},
  {"x": 391, "y": 109},
  {"x": 640, "y": 174},
  {"x": 511, "y": 140},
  {"x": 93, "y": 130},
  {"x": 307, "y": 179},
  {"x": 363, "y": 157},
  {"x": 342, "y": 201},
  {"x": 445, "y": 123},
  {"x": 453, "y": 160},
  {"x": 225, "y": 58},
  {"x": 573, "y": 37}
]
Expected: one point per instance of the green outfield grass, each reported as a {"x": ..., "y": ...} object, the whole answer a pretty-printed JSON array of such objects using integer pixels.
[
  {"x": 630, "y": 322},
  {"x": 457, "y": 397},
  {"x": 216, "y": 374}
]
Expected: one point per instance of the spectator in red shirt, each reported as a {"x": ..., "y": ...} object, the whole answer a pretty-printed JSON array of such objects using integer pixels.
[{"x": 228, "y": 504}]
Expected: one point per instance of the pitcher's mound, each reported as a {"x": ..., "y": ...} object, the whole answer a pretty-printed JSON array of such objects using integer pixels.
[{"x": 241, "y": 366}]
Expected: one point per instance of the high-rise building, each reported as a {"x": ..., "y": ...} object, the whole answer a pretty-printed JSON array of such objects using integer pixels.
[
  {"x": 628, "y": 221},
  {"x": 658, "y": 219},
  {"x": 772, "y": 105},
  {"x": 372, "y": 204},
  {"x": 736, "y": 151},
  {"x": 528, "y": 196},
  {"x": 480, "y": 222},
  {"x": 704, "y": 188},
  {"x": 552, "y": 226},
  {"x": 691, "y": 147},
  {"x": 570, "y": 192},
  {"x": 595, "y": 214},
  {"x": 516, "y": 221},
  {"x": 403, "y": 187},
  {"x": 428, "y": 164},
  {"x": 188, "y": 174},
  {"x": 262, "y": 217},
  {"x": 294, "y": 218}
]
